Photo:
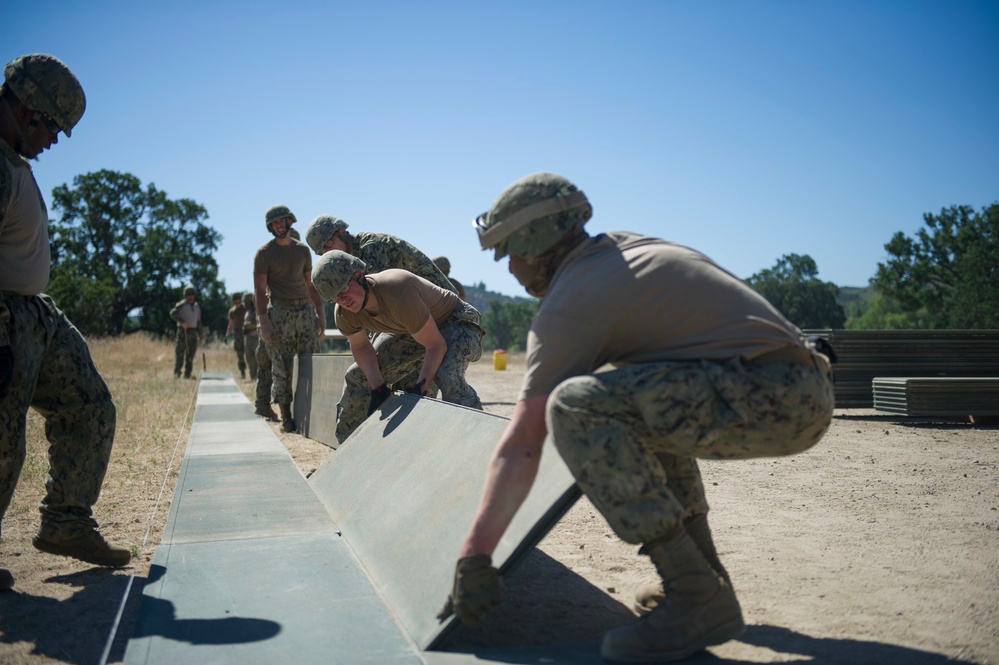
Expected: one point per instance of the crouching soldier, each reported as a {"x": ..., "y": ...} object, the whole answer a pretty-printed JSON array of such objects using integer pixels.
[{"x": 427, "y": 329}]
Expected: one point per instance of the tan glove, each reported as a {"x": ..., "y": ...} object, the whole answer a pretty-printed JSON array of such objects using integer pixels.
[{"x": 477, "y": 589}]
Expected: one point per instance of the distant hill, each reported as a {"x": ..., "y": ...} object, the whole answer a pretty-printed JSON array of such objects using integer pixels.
[
  {"x": 852, "y": 298},
  {"x": 478, "y": 296}
]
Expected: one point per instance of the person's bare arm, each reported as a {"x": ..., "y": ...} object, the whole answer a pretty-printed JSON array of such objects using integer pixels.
[
  {"x": 432, "y": 340},
  {"x": 317, "y": 302},
  {"x": 263, "y": 320},
  {"x": 366, "y": 358}
]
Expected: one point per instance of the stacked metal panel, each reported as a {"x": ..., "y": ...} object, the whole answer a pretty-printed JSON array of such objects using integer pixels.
[
  {"x": 868, "y": 354},
  {"x": 937, "y": 396}
]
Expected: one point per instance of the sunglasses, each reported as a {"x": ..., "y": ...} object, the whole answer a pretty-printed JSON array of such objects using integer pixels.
[{"x": 51, "y": 124}]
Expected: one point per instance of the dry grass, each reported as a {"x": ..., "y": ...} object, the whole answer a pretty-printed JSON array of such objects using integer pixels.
[{"x": 154, "y": 413}]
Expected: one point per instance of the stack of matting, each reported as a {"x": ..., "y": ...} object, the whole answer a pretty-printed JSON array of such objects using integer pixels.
[
  {"x": 868, "y": 354},
  {"x": 936, "y": 396},
  {"x": 257, "y": 564}
]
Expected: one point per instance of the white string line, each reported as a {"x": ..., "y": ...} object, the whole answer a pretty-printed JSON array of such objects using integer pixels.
[{"x": 149, "y": 527}]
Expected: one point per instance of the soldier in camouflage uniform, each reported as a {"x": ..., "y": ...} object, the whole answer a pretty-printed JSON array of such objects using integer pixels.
[
  {"x": 251, "y": 338},
  {"x": 426, "y": 328},
  {"x": 187, "y": 314},
  {"x": 703, "y": 367},
  {"x": 44, "y": 361},
  {"x": 444, "y": 264},
  {"x": 294, "y": 321},
  {"x": 237, "y": 315},
  {"x": 379, "y": 251}
]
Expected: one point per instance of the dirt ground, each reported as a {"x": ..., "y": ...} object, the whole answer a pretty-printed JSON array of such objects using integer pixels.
[{"x": 880, "y": 545}]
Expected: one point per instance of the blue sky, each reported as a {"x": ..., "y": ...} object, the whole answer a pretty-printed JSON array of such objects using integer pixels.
[{"x": 748, "y": 130}]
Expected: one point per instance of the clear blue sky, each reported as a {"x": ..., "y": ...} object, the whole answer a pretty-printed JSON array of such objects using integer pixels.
[{"x": 747, "y": 129}]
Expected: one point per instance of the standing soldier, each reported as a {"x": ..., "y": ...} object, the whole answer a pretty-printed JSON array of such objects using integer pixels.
[
  {"x": 237, "y": 315},
  {"x": 428, "y": 331},
  {"x": 251, "y": 337},
  {"x": 702, "y": 367},
  {"x": 294, "y": 321},
  {"x": 44, "y": 361},
  {"x": 444, "y": 264},
  {"x": 187, "y": 314}
]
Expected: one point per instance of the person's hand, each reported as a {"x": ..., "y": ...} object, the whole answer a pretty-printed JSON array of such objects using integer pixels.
[
  {"x": 225, "y": 339},
  {"x": 267, "y": 331},
  {"x": 417, "y": 388},
  {"x": 477, "y": 589},
  {"x": 378, "y": 396},
  {"x": 6, "y": 367}
]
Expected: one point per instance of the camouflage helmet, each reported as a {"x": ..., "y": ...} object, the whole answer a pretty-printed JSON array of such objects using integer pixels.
[
  {"x": 321, "y": 229},
  {"x": 43, "y": 83},
  {"x": 531, "y": 215},
  {"x": 443, "y": 263},
  {"x": 333, "y": 271},
  {"x": 190, "y": 291},
  {"x": 277, "y": 212},
  {"x": 247, "y": 298},
  {"x": 237, "y": 296}
]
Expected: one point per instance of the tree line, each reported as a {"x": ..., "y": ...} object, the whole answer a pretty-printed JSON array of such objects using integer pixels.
[{"x": 122, "y": 253}]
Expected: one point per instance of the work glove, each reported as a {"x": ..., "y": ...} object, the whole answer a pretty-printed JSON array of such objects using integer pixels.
[
  {"x": 416, "y": 388},
  {"x": 477, "y": 589},
  {"x": 378, "y": 395},
  {"x": 6, "y": 367}
]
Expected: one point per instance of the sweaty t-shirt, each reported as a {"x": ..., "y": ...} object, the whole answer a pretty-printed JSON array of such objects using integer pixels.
[
  {"x": 285, "y": 267},
  {"x": 621, "y": 298},
  {"x": 405, "y": 302}
]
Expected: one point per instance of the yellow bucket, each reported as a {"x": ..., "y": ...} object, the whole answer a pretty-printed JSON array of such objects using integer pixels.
[{"x": 499, "y": 359}]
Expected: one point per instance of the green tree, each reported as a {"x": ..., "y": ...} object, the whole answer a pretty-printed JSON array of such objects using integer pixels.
[
  {"x": 793, "y": 287},
  {"x": 949, "y": 270},
  {"x": 506, "y": 323},
  {"x": 121, "y": 254}
]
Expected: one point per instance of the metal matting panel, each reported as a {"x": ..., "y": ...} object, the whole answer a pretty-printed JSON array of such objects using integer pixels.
[
  {"x": 404, "y": 488},
  {"x": 318, "y": 381},
  {"x": 230, "y": 602}
]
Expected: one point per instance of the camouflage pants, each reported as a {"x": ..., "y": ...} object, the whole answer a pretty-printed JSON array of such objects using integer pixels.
[
  {"x": 239, "y": 346},
  {"x": 400, "y": 355},
  {"x": 630, "y": 436},
  {"x": 265, "y": 378},
  {"x": 54, "y": 374},
  {"x": 294, "y": 333},
  {"x": 185, "y": 348},
  {"x": 250, "y": 343}
]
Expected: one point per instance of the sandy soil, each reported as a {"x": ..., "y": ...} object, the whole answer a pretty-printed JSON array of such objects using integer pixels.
[{"x": 880, "y": 545}]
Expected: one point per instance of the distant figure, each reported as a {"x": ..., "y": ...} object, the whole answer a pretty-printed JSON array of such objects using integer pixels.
[
  {"x": 237, "y": 315},
  {"x": 444, "y": 264},
  {"x": 187, "y": 315},
  {"x": 426, "y": 328},
  {"x": 293, "y": 321},
  {"x": 251, "y": 338},
  {"x": 702, "y": 366},
  {"x": 44, "y": 361}
]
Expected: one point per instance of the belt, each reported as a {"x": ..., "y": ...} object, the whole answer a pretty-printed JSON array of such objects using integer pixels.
[
  {"x": 793, "y": 354},
  {"x": 294, "y": 302}
]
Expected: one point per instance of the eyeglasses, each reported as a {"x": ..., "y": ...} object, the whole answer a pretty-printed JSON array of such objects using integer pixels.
[{"x": 51, "y": 124}]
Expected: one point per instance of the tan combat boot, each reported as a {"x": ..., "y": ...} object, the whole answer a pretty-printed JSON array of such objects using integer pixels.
[
  {"x": 266, "y": 412},
  {"x": 89, "y": 546},
  {"x": 698, "y": 610},
  {"x": 697, "y": 528},
  {"x": 287, "y": 422}
]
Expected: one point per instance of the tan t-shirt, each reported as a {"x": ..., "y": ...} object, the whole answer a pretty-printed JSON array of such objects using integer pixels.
[
  {"x": 405, "y": 302},
  {"x": 285, "y": 267},
  {"x": 621, "y": 298},
  {"x": 24, "y": 228}
]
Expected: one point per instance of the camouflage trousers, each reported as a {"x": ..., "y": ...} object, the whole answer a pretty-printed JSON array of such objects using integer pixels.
[
  {"x": 400, "y": 355},
  {"x": 265, "y": 378},
  {"x": 185, "y": 349},
  {"x": 54, "y": 374},
  {"x": 631, "y": 436},
  {"x": 294, "y": 333},
  {"x": 250, "y": 343},
  {"x": 239, "y": 346}
]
